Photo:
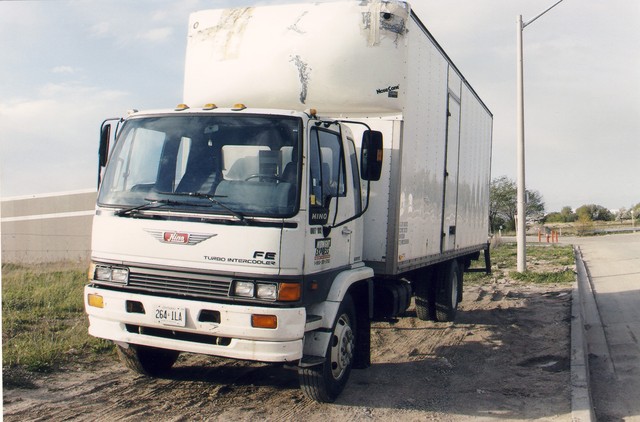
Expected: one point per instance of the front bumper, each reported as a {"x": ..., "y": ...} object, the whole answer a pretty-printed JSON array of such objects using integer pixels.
[{"x": 231, "y": 336}]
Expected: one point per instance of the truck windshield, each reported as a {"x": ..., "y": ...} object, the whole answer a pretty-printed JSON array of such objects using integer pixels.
[{"x": 248, "y": 164}]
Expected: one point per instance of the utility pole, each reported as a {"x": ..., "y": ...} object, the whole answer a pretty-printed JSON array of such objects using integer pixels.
[{"x": 521, "y": 218}]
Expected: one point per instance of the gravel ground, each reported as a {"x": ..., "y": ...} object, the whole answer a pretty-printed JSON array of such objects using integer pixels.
[{"x": 506, "y": 357}]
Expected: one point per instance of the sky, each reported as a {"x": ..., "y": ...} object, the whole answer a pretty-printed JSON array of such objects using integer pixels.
[{"x": 67, "y": 65}]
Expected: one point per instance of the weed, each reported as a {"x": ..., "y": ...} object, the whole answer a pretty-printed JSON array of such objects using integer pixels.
[
  {"x": 547, "y": 277},
  {"x": 545, "y": 263},
  {"x": 43, "y": 321}
]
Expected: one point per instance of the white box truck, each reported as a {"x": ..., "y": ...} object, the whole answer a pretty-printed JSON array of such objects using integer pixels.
[{"x": 329, "y": 163}]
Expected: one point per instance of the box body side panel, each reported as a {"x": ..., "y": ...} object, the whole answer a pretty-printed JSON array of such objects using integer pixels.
[
  {"x": 423, "y": 155},
  {"x": 474, "y": 172},
  {"x": 438, "y": 191}
]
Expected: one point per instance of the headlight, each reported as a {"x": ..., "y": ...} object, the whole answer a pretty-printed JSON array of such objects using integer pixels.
[
  {"x": 272, "y": 291},
  {"x": 103, "y": 273},
  {"x": 119, "y": 275},
  {"x": 243, "y": 288},
  {"x": 111, "y": 274},
  {"x": 267, "y": 291}
]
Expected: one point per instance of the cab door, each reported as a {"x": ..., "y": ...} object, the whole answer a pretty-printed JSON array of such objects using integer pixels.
[{"x": 331, "y": 201}]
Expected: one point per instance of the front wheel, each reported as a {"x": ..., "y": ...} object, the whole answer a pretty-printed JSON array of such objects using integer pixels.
[
  {"x": 325, "y": 382},
  {"x": 147, "y": 360}
]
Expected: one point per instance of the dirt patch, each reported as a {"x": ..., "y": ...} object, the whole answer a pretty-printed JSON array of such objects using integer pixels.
[{"x": 507, "y": 356}]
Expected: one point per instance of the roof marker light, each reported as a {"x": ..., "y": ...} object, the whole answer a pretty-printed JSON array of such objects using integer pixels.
[
  {"x": 209, "y": 106},
  {"x": 238, "y": 107},
  {"x": 181, "y": 107}
]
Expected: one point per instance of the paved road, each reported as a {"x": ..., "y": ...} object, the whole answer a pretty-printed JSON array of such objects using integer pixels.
[{"x": 613, "y": 262}]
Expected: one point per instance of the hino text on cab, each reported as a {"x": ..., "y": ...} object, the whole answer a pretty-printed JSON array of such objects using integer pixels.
[{"x": 328, "y": 164}]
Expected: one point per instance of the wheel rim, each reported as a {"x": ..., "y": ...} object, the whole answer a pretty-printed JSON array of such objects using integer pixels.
[{"x": 341, "y": 347}]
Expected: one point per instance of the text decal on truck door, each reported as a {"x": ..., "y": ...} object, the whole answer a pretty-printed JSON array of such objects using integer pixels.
[{"x": 323, "y": 252}]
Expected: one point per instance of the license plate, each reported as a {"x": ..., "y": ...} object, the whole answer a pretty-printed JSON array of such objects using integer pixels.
[{"x": 168, "y": 315}]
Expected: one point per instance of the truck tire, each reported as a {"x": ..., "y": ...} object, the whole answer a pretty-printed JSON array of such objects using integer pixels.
[
  {"x": 425, "y": 295},
  {"x": 147, "y": 360},
  {"x": 425, "y": 301},
  {"x": 324, "y": 383},
  {"x": 448, "y": 292}
]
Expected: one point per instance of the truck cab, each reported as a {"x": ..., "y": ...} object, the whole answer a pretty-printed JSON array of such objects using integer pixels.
[{"x": 232, "y": 232}]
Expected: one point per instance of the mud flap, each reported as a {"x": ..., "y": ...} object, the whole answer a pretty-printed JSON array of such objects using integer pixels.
[
  {"x": 315, "y": 348},
  {"x": 364, "y": 312},
  {"x": 362, "y": 357}
]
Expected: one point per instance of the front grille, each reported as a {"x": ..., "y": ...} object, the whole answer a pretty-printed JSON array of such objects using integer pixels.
[{"x": 182, "y": 283}]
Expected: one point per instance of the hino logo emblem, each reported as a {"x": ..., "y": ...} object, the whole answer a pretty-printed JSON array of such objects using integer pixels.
[
  {"x": 174, "y": 237},
  {"x": 179, "y": 238}
]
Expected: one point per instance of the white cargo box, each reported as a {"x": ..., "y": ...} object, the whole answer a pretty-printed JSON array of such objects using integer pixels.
[
  {"x": 375, "y": 62},
  {"x": 335, "y": 57}
]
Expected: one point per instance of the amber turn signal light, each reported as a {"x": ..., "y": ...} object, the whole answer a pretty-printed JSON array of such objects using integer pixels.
[
  {"x": 264, "y": 321},
  {"x": 289, "y": 292},
  {"x": 95, "y": 300}
]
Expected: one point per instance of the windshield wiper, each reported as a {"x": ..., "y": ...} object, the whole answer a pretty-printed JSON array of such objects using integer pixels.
[
  {"x": 213, "y": 199},
  {"x": 153, "y": 203}
]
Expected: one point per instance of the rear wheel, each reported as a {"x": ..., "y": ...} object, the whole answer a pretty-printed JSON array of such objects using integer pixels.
[
  {"x": 324, "y": 383},
  {"x": 425, "y": 296},
  {"x": 448, "y": 291},
  {"x": 147, "y": 360}
]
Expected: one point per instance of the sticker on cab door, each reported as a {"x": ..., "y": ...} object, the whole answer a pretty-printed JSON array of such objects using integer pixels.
[{"x": 323, "y": 251}]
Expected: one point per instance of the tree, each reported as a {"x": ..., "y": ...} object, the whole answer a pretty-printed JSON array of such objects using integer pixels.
[
  {"x": 504, "y": 204},
  {"x": 554, "y": 217},
  {"x": 584, "y": 225},
  {"x": 594, "y": 212},
  {"x": 566, "y": 215},
  {"x": 635, "y": 213},
  {"x": 628, "y": 214}
]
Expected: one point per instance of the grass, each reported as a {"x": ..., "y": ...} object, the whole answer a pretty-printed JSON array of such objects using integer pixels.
[
  {"x": 43, "y": 320},
  {"x": 545, "y": 264}
]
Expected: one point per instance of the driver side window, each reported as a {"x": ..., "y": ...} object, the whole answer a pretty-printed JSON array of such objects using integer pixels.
[{"x": 327, "y": 167}]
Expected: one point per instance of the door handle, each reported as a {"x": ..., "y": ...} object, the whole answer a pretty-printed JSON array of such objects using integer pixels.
[{"x": 346, "y": 231}]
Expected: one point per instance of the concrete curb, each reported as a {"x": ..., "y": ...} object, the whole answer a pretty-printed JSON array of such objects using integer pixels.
[{"x": 581, "y": 403}]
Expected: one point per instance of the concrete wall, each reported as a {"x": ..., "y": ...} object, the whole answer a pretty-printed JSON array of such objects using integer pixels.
[{"x": 47, "y": 228}]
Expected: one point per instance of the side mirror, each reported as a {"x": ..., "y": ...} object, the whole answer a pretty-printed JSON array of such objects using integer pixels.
[
  {"x": 371, "y": 155},
  {"x": 103, "y": 151}
]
